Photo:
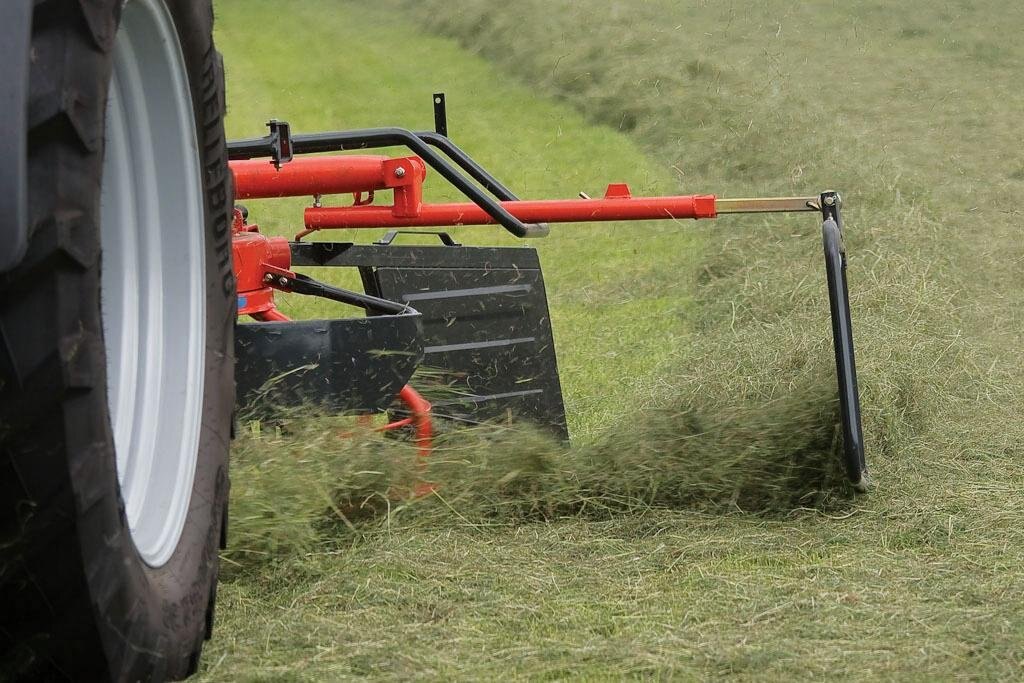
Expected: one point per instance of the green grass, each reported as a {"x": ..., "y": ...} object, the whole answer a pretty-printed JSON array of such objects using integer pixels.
[
  {"x": 345, "y": 70},
  {"x": 913, "y": 112}
]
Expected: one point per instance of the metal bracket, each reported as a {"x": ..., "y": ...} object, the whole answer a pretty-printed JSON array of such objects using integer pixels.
[
  {"x": 280, "y": 142},
  {"x": 390, "y": 236},
  {"x": 440, "y": 115}
]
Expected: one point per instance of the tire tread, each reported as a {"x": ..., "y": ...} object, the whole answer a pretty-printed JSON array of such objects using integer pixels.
[{"x": 52, "y": 494}]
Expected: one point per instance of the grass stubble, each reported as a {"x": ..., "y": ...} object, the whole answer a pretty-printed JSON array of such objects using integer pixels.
[{"x": 701, "y": 527}]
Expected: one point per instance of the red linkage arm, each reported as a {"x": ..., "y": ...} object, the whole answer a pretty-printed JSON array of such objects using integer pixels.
[{"x": 539, "y": 211}]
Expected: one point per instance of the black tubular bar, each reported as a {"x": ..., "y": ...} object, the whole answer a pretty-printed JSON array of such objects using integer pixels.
[
  {"x": 439, "y": 138},
  {"x": 372, "y": 138},
  {"x": 466, "y": 163},
  {"x": 303, "y": 284},
  {"x": 842, "y": 338},
  {"x": 475, "y": 170}
]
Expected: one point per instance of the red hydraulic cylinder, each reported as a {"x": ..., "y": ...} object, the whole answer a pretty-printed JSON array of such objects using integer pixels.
[
  {"x": 615, "y": 208},
  {"x": 308, "y": 176}
]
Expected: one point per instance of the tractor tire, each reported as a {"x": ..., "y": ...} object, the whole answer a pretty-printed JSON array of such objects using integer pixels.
[{"x": 116, "y": 347}]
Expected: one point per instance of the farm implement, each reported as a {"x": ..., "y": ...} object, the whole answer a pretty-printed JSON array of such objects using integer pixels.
[{"x": 478, "y": 315}]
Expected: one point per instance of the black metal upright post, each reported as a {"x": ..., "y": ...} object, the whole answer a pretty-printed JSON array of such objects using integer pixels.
[
  {"x": 842, "y": 337},
  {"x": 440, "y": 115}
]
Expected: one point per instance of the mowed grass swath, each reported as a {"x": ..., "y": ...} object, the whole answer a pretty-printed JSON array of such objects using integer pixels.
[{"x": 688, "y": 352}]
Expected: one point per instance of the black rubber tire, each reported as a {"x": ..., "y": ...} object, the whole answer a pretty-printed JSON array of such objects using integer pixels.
[{"x": 76, "y": 599}]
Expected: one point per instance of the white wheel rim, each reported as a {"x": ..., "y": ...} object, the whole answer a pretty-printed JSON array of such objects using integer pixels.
[{"x": 153, "y": 278}]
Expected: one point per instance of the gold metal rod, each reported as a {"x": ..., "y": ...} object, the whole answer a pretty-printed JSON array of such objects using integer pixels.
[{"x": 767, "y": 205}]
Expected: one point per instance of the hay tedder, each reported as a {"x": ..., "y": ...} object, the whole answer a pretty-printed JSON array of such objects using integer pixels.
[
  {"x": 479, "y": 315},
  {"x": 127, "y": 258}
]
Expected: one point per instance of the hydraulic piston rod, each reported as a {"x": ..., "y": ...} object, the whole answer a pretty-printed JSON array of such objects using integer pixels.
[{"x": 767, "y": 205}]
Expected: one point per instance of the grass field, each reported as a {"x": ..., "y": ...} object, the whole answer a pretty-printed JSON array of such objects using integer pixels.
[{"x": 913, "y": 112}]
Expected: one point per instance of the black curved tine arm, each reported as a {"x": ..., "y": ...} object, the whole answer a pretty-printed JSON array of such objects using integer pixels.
[
  {"x": 842, "y": 339},
  {"x": 371, "y": 138},
  {"x": 466, "y": 163},
  {"x": 303, "y": 284},
  {"x": 471, "y": 167}
]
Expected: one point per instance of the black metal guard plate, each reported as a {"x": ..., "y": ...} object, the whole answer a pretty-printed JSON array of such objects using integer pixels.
[
  {"x": 355, "y": 364},
  {"x": 347, "y": 254},
  {"x": 846, "y": 367},
  {"x": 485, "y": 322}
]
